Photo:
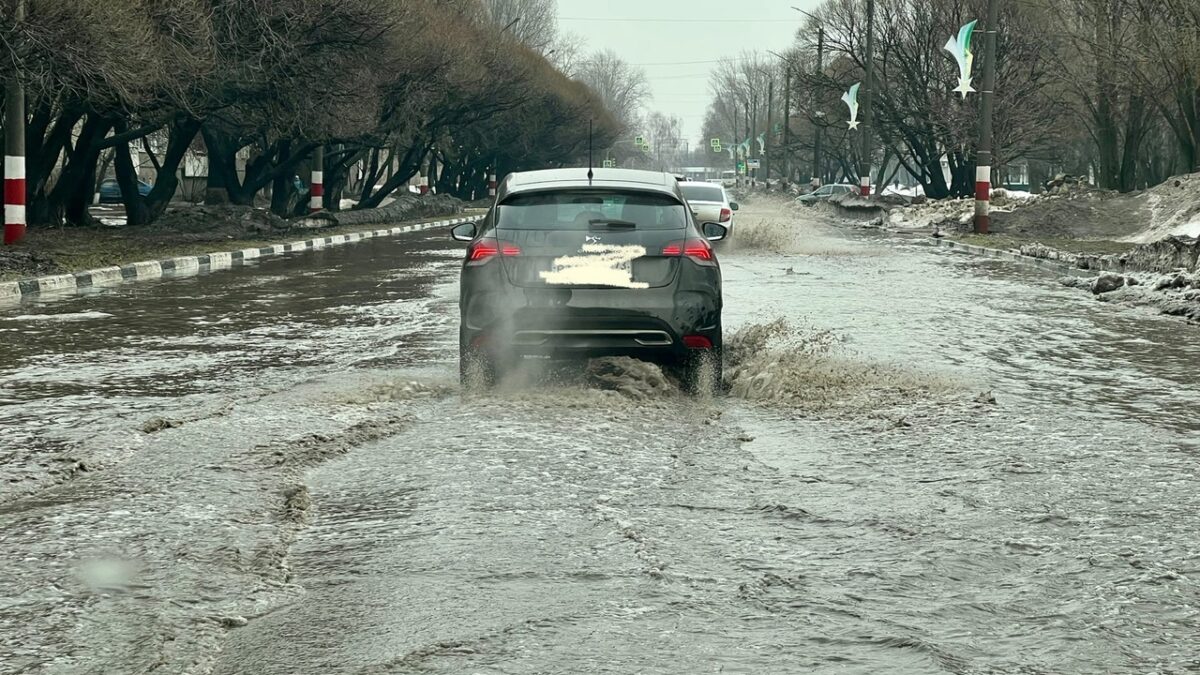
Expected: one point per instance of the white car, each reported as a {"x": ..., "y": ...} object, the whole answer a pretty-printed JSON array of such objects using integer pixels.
[
  {"x": 826, "y": 192},
  {"x": 710, "y": 204}
]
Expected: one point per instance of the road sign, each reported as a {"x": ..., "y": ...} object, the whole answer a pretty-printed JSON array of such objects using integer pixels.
[
  {"x": 716, "y": 143},
  {"x": 741, "y": 167},
  {"x": 638, "y": 140},
  {"x": 608, "y": 163},
  {"x": 755, "y": 164},
  {"x": 717, "y": 146}
]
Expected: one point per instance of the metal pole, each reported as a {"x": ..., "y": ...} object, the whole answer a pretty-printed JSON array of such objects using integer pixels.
[
  {"x": 818, "y": 168},
  {"x": 14, "y": 151},
  {"x": 316, "y": 200},
  {"x": 864, "y": 169},
  {"x": 768, "y": 146},
  {"x": 787, "y": 126},
  {"x": 983, "y": 157}
]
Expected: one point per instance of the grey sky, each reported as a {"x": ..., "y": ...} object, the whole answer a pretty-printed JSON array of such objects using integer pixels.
[{"x": 648, "y": 32}]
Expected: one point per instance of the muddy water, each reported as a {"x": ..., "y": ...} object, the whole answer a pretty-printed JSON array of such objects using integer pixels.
[{"x": 928, "y": 464}]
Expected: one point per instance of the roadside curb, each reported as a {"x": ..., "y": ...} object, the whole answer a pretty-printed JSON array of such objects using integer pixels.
[
  {"x": 1030, "y": 261},
  {"x": 12, "y": 291}
]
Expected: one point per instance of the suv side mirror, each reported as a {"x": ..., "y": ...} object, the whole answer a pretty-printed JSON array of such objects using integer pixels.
[
  {"x": 733, "y": 206},
  {"x": 463, "y": 232},
  {"x": 715, "y": 231}
]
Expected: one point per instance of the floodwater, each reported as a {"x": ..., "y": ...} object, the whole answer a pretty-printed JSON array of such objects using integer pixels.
[{"x": 926, "y": 463}]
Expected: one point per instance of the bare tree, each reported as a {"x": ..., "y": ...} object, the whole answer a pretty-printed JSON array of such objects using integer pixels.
[
  {"x": 532, "y": 22},
  {"x": 621, "y": 87}
]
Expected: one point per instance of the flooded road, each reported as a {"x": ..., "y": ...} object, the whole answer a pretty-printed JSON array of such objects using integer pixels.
[{"x": 926, "y": 463}]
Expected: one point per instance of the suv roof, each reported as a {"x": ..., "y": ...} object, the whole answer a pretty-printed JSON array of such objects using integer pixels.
[{"x": 526, "y": 181}]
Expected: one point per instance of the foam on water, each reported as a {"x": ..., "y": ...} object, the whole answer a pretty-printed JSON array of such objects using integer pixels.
[{"x": 74, "y": 316}]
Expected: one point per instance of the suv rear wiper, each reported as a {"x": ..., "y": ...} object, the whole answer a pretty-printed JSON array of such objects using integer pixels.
[{"x": 607, "y": 222}]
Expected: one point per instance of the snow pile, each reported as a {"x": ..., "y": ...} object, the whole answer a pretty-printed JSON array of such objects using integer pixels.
[
  {"x": 941, "y": 213},
  {"x": 1174, "y": 209},
  {"x": 1166, "y": 255},
  {"x": 1173, "y": 294}
]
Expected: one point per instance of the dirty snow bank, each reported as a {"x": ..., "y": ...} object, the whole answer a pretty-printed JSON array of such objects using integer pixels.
[
  {"x": 1174, "y": 210},
  {"x": 404, "y": 207},
  {"x": 1174, "y": 294}
]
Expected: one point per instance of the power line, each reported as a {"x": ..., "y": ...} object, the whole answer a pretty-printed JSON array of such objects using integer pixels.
[{"x": 632, "y": 20}]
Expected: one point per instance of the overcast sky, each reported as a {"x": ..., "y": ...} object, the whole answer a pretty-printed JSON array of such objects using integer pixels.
[{"x": 646, "y": 32}]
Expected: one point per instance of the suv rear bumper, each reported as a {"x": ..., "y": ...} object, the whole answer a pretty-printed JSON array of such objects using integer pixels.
[{"x": 565, "y": 335}]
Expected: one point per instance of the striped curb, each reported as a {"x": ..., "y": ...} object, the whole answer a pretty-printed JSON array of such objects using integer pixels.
[
  {"x": 183, "y": 266},
  {"x": 1029, "y": 261}
]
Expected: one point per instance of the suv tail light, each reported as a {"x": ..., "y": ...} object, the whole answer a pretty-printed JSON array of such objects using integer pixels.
[
  {"x": 483, "y": 250},
  {"x": 726, "y": 215},
  {"x": 699, "y": 250}
]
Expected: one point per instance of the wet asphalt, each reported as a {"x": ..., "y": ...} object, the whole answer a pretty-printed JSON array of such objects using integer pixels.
[{"x": 941, "y": 464}]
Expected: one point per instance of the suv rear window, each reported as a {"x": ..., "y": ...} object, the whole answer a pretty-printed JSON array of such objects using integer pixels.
[
  {"x": 703, "y": 193},
  {"x": 573, "y": 209}
]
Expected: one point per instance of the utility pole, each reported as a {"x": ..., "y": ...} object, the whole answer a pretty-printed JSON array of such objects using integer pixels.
[
  {"x": 983, "y": 156},
  {"x": 818, "y": 160},
  {"x": 787, "y": 125},
  {"x": 14, "y": 150},
  {"x": 864, "y": 167},
  {"x": 768, "y": 146},
  {"x": 736, "y": 177}
]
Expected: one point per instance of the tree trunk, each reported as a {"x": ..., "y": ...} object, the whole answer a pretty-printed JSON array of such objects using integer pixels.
[
  {"x": 182, "y": 132},
  {"x": 72, "y": 194},
  {"x": 135, "y": 210},
  {"x": 283, "y": 189}
]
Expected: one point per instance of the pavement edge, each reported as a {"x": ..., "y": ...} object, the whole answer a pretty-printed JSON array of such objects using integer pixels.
[{"x": 11, "y": 291}]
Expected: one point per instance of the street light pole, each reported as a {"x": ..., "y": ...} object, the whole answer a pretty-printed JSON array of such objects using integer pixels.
[
  {"x": 818, "y": 160},
  {"x": 983, "y": 156},
  {"x": 864, "y": 170},
  {"x": 768, "y": 146},
  {"x": 787, "y": 125}
]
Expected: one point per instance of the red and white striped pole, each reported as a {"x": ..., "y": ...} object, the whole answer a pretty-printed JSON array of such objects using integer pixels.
[
  {"x": 423, "y": 184},
  {"x": 316, "y": 200},
  {"x": 864, "y": 186},
  {"x": 983, "y": 157},
  {"x": 14, "y": 153},
  {"x": 983, "y": 199},
  {"x": 492, "y": 182}
]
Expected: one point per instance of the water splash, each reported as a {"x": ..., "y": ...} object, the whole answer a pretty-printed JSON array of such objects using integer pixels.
[{"x": 777, "y": 363}]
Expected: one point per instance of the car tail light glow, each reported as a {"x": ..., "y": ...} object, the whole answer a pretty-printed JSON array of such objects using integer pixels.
[
  {"x": 697, "y": 249},
  {"x": 485, "y": 249},
  {"x": 726, "y": 215},
  {"x": 482, "y": 250},
  {"x": 697, "y": 342}
]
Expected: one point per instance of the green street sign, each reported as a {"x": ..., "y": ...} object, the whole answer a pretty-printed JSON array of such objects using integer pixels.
[
  {"x": 741, "y": 167},
  {"x": 638, "y": 140}
]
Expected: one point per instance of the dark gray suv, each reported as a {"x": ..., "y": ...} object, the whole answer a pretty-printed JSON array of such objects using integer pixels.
[{"x": 567, "y": 266}]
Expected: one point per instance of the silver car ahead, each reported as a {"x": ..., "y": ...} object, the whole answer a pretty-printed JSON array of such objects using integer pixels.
[{"x": 710, "y": 204}]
